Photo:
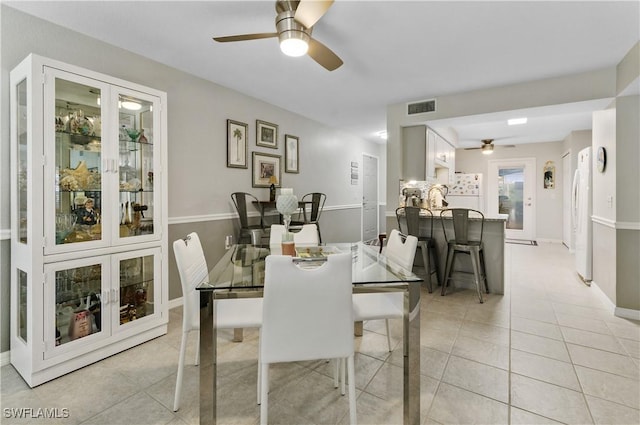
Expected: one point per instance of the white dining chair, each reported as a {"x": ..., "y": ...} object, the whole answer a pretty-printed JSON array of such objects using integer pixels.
[
  {"x": 401, "y": 250},
  {"x": 307, "y": 315},
  {"x": 230, "y": 313},
  {"x": 306, "y": 237}
]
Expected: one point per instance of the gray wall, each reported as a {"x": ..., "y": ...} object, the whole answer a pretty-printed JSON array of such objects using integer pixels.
[
  {"x": 548, "y": 201},
  {"x": 199, "y": 181}
]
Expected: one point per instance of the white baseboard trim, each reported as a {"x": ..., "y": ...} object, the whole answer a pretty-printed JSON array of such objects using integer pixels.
[
  {"x": 176, "y": 302},
  {"x": 5, "y": 358},
  {"x": 545, "y": 240},
  {"x": 627, "y": 313},
  {"x": 611, "y": 306}
]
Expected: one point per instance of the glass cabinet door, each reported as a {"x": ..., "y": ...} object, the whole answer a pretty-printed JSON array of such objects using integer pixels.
[
  {"x": 138, "y": 120},
  {"x": 75, "y": 160},
  {"x": 136, "y": 294},
  {"x": 75, "y": 304}
]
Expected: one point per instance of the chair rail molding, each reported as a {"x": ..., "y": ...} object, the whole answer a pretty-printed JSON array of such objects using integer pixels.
[
  {"x": 620, "y": 225},
  {"x": 5, "y": 234},
  {"x": 234, "y": 215}
]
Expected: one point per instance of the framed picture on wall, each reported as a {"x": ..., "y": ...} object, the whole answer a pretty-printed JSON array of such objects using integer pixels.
[
  {"x": 291, "y": 155},
  {"x": 264, "y": 167},
  {"x": 236, "y": 144},
  {"x": 266, "y": 134}
]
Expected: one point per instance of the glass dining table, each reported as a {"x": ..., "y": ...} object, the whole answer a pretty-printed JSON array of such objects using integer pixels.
[{"x": 240, "y": 273}]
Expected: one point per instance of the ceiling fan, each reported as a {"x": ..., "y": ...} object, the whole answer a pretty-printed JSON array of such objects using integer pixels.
[
  {"x": 487, "y": 146},
  {"x": 294, "y": 22}
]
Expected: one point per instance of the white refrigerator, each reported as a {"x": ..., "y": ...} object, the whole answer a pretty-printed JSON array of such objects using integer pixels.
[
  {"x": 581, "y": 207},
  {"x": 466, "y": 191}
]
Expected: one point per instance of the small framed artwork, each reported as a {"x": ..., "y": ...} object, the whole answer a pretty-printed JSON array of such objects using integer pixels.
[
  {"x": 236, "y": 144},
  {"x": 264, "y": 166},
  {"x": 549, "y": 175},
  {"x": 291, "y": 155},
  {"x": 266, "y": 134}
]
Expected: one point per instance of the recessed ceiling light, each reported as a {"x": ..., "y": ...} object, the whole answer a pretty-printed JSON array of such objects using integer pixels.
[{"x": 517, "y": 121}]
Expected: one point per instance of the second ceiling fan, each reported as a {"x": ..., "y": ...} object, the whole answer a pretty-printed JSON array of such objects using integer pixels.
[
  {"x": 294, "y": 22},
  {"x": 487, "y": 146}
]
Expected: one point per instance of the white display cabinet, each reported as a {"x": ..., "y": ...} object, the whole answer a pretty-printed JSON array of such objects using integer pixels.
[{"x": 88, "y": 217}]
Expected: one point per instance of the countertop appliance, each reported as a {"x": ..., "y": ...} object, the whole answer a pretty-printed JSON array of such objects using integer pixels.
[
  {"x": 466, "y": 191},
  {"x": 581, "y": 206}
]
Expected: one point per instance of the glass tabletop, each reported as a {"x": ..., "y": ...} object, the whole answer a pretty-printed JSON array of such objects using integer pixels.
[{"x": 242, "y": 267}]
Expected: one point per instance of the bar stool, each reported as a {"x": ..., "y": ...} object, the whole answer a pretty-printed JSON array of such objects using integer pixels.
[
  {"x": 426, "y": 243},
  {"x": 462, "y": 243}
]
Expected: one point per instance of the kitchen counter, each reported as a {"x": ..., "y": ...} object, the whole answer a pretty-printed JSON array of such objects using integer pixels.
[{"x": 493, "y": 240}]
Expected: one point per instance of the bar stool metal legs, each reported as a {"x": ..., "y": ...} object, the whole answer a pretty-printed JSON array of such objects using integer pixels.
[{"x": 477, "y": 262}]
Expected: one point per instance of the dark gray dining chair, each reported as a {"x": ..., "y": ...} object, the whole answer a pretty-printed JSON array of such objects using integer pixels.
[
  {"x": 317, "y": 201},
  {"x": 240, "y": 201}
]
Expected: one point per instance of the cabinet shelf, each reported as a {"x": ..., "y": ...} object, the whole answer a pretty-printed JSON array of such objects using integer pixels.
[{"x": 78, "y": 138}]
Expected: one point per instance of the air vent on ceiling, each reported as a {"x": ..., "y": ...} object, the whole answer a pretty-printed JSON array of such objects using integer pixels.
[{"x": 421, "y": 107}]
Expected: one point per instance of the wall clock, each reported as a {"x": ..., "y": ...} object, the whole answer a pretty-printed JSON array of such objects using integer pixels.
[{"x": 601, "y": 159}]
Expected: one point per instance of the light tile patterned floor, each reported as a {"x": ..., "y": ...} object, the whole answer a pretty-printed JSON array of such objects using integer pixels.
[{"x": 548, "y": 351}]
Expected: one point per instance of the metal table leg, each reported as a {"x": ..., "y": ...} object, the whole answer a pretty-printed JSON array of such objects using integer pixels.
[
  {"x": 411, "y": 347},
  {"x": 208, "y": 336}
]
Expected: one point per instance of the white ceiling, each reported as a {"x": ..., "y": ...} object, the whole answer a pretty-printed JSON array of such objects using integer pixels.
[{"x": 393, "y": 51}]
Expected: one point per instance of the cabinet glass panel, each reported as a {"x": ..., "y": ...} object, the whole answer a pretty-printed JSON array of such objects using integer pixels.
[
  {"x": 135, "y": 166},
  {"x": 78, "y": 303},
  {"x": 22, "y": 130},
  {"x": 78, "y": 161},
  {"x": 22, "y": 305},
  {"x": 136, "y": 288}
]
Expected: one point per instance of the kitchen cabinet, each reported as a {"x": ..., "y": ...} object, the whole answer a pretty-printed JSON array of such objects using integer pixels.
[
  {"x": 88, "y": 217},
  {"x": 440, "y": 161}
]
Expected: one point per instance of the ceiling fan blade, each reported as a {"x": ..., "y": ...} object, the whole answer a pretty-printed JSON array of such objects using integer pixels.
[
  {"x": 244, "y": 37},
  {"x": 471, "y": 149},
  {"x": 310, "y": 11},
  {"x": 323, "y": 55}
]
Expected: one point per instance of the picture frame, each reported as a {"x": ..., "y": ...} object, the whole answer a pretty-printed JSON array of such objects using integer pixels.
[
  {"x": 549, "y": 173},
  {"x": 264, "y": 166},
  {"x": 237, "y": 144},
  {"x": 266, "y": 134},
  {"x": 291, "y": 154}
]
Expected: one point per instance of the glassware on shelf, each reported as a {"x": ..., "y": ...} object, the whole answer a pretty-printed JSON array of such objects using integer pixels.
[
  {"x": 64, "y": 225},
  {"x": 133, "y": 134}
]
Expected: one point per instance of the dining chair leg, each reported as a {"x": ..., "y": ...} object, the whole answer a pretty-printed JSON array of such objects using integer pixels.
[
  {"x": 426, "y": 262},
  {"x": 264, "y": 384},
  {"x": 336, "y": 371},
  {"x": 475, "y": 264},
  {"x": 447, "y": 270},
  {"x": 484, "y": 271},
  {"x": 436, "y": 261},
  {"x": 259, "y": 383},
  {"x": 183, "y": 349},
  {"x": 197, "y": 361},
  {"x": 352, "y": 390},
  {"x": 388, "y": 334}
]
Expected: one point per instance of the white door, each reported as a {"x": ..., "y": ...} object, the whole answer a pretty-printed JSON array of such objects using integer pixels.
[
  {"x": 567, "y": 227},
  {"x": 369, "y": 197},
  {"x": 511, "y": 191}
]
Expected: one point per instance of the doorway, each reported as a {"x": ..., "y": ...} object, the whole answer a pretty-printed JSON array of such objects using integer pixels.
[
  {"x": 369, "y": 197},
  {"x": 511, "y": 189}
]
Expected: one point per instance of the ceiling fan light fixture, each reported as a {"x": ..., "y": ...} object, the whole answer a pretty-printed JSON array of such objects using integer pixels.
[
  {"x": 487, "y": 149},
  {"x": 294, "y": 43}
]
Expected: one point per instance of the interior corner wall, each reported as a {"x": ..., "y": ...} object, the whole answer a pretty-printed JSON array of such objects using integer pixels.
[
  {"x": 548, "y": 201},
  {"x": 628, "y": 202},
  {"x": 200, "y": 184}
]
